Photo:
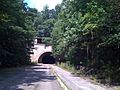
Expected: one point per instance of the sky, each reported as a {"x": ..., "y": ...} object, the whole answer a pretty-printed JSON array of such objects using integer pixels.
[{"x": 39, "y": 4}]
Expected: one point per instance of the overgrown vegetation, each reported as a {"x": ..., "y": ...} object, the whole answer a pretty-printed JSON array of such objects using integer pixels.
[
  {"x": 87, "y": 35},
  {"x": 19, "y": 25},
  {"x": 16, "y": 32},
  {"x": 44, "y": 22}
]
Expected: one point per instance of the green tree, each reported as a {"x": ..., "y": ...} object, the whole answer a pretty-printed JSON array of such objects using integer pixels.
[
  {"x": 44, "y": 22},
  {"x": 87, "y": 34},
  {"x": 15, "y": 33}
]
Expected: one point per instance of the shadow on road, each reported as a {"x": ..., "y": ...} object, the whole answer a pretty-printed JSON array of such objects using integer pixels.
[{"x": 18, "y": 78}]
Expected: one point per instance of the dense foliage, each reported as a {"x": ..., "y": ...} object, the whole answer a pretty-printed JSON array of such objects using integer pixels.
[
  {"x": 16, "y": 32},
  {"x": 87, "y": 35},
  {"x": 44, "y": 22}
]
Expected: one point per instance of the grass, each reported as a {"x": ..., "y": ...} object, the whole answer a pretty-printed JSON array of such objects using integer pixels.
[
  {"x": 81, "y": 73},
  {"x": 67, "y": 67},
  {"x": 119, "y": 88}
]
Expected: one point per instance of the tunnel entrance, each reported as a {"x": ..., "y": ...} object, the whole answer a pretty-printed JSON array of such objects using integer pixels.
[{"x": 47, "y": 58}]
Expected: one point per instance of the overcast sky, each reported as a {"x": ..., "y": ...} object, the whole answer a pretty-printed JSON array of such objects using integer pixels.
[{"x": 39, "y": 4}]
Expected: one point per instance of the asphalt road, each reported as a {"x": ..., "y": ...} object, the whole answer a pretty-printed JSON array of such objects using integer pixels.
[{"x": 37, "y": 77}]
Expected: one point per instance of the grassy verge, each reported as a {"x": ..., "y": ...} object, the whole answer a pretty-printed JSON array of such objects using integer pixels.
[
  {"x": 67, "y": 67},
  {"x": 92, "y": 78}
]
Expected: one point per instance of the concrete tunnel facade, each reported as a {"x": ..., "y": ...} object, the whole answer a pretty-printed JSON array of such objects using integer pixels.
[{"x": 42, "y": 54}]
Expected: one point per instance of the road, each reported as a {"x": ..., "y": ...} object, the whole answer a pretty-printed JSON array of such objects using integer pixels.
[
  {"x": 74, "y": 82},
  {"x": 38, "y": 77}
]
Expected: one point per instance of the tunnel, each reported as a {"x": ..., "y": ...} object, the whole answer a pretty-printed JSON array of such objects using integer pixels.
[{"x": 46, "y": 58}]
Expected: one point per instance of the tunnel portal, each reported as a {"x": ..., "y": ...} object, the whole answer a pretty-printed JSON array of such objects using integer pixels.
[{"x": 46, "y": 58}]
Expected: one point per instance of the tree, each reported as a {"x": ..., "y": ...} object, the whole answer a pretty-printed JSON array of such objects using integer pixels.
[
  {"x": 15, "y": 33},
  {"x": 82, "y": 36},
  {"x": 44, "y": 22}
]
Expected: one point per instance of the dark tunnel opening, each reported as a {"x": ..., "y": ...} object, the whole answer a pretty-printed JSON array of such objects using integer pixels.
[{"x": 47, "y": 58}]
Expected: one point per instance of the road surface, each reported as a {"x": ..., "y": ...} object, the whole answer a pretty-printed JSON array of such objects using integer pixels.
[{"x": 37, "y": 77}]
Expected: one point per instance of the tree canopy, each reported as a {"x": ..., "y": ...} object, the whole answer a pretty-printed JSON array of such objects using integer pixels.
[
  {"x": 87, "y": 34},
  {"x": 16, "y": 32}
]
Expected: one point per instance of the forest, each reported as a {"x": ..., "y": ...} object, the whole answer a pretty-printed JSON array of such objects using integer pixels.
[
  {"x": 16, "y": 32},
  {"x": 85, "y": 35}
]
